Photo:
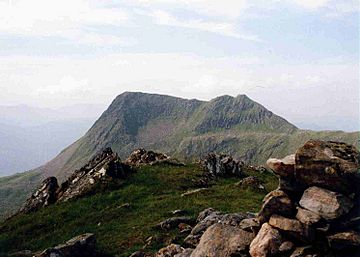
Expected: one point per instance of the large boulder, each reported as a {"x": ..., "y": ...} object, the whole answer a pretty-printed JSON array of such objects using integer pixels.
[
  {"x": 44, "y": 196},
  {"x": 276, "y": 202},
  {"x": 327, "y": 164},
  {"x": 327, "y": 204},
  {"x": 222, "y": 165},
  {"x": 267, "y": 242},
  {"x": 209, "y": 217},
  {"x": 221, "y": 240},
  {"x": 83, "y": 245}
]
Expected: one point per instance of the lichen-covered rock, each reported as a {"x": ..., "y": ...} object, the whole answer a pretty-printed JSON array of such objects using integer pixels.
[
  {"x": 221, "y": 240},
  {"x": 222, "y": 165},
  {"x": 250, "y": 225},
  {"x": 283, "y": 167},
  {"x": 307, "y": 217},
  {"x": 44, "y": 196},
  {"x": 266, "y": 243},
  {"x": 276, "y": 202},
  {"x": 141, "y": 156},
  {"x": 327, "y": 204},
  {"x": 83, "y": 245},
  {"x": 327, "y": 164},
  {"x": 292, "y": 227}
]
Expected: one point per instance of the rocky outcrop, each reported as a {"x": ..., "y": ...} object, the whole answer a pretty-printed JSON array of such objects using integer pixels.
[
  {"x": 103, "y": 169},
  {"x": 44, "y": 196},
  {"x": 174, "y": 222},
  {"x": 222, "y": 165},
  {"x": 141, "y": 156}
]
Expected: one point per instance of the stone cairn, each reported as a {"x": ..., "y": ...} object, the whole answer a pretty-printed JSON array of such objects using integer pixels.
[
  {"x": 313, "y": 213},
  {"x": 315, "y": 210}
]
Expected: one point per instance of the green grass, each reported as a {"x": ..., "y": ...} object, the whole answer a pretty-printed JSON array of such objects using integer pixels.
[{"x": 152, "y": 192}]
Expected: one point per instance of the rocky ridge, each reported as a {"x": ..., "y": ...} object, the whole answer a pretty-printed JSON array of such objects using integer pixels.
[{"x": 314, "y": 212}]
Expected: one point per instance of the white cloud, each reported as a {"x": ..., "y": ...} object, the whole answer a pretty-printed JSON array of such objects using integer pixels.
[
  {"x": 65, "y": 19},
  {"x": 222, "y": 28},
  {"x": 228, "y": 9},
  {"x": 311, "y": 4}
]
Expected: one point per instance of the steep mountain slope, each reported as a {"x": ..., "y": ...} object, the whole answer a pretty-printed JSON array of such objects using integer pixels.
[{"x": 186, "y": 129}]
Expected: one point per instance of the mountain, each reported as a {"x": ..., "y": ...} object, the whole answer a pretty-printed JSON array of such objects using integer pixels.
[{"x": 185, "y": 129}]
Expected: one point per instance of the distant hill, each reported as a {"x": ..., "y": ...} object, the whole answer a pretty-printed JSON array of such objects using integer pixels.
[
  {"x": 31, "y": 136},
  {"x": 186, "y": 129}
]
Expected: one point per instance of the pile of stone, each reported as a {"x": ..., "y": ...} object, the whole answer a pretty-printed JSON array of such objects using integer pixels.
[
  {"x": 102, "y": 169},
  {"x": 221, "y": 165},
  {"x": 314, "y": 212}
]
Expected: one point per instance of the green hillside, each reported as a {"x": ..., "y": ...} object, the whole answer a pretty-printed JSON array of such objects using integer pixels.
[
  {"x": 185, "y": 129},
  {"x": 121, "y": 230}
]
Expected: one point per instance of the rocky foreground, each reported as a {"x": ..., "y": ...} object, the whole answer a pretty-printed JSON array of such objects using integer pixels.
[{"x": 314, "y": 211}]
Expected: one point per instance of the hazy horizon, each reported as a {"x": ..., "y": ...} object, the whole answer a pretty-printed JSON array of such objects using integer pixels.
[{"x": 300, "y": 59}]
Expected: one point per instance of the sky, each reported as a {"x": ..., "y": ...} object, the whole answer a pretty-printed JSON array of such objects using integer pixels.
[{"x": 299, "y": 58}]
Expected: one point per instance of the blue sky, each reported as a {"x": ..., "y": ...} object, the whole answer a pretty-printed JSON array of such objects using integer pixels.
[{"x": 299, "y": 58}]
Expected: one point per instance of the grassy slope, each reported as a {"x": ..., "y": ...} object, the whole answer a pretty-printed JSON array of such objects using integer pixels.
[
  {"x": 124, "y": 230},
  {"x": 185, "y": 129}
]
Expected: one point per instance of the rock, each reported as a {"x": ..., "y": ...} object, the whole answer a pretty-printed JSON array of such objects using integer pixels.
[
  {"x": 178, "y": 212},
  {"x": 330, "y": 165},
  {"x": 209, "y": 217},
  {"x": 266, "y": 243},
  {"x": 194, "y": 191},
  {"x": 327, "y": 204},
  {"x": 222, "y": 165},
  {"x": 186, "y": 253},
  {"x": 304, "y": 251},
  {"x": 103, "y": 168},
  {"x": 171, "y": 250},
  {"x": 250, "y": 225},
  {"x": 44, "y": 196},
  {"x": 276, "y": 202},
  {"x": 283, "y": 167},
  {"x": 140, "y": 254},
  {"x": 184, "y": 228},
  {"x": 342, "y": 240},
  {"x": 222, "y": 240},
  {"x": 251, "y": 182},
  {"x": 292, "y": 227},
  {"x": 307, "y": 217},
  {"x": 209, "y": 211},
  {"x": 23, "y": 253},
  {"x": 141, "y": 156},
  {"x": 83, "y": 245},
  {"x": 286, "y": 247},
  {"x": 174, "y": 222}
]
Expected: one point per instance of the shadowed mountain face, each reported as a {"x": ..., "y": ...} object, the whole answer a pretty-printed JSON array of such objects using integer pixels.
[{"x": 186, "y": 129}]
